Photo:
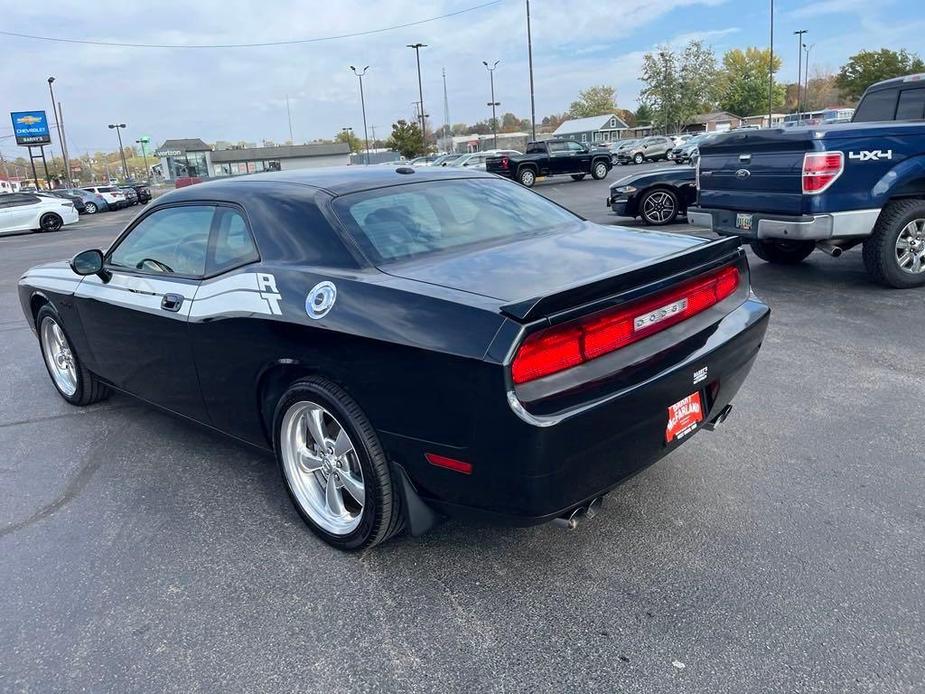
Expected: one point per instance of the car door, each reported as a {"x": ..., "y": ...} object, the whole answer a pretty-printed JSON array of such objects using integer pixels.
[
  {"x": 580, "y": 158},
  {"x": 135, "y": 317},
  {"x": 559, "y": 157},
  {"x": 21, "y": 212}
]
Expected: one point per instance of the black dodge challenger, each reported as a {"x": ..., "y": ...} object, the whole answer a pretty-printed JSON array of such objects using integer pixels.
[{"x": 409, "y": 342}]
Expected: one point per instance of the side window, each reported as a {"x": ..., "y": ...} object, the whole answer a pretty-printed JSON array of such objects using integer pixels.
[
  {"x": 556, "y": 146},
  {"x": 876, "y": 106},
  {"x": 232, "y": 245},
  {"x": 575, "y": 147},
  {"x": 170, "y": 241},
  {"x": 911, "y": 104}
]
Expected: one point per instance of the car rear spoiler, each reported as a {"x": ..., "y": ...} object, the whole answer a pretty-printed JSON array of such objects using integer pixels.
[{"x": 663, "y": 271}]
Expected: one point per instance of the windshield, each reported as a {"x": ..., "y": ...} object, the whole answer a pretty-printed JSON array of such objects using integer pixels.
[{"x": 417, "y": 219}]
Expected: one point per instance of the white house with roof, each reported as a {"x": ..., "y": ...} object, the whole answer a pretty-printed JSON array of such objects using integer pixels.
[{"x": 603, "y": 128}]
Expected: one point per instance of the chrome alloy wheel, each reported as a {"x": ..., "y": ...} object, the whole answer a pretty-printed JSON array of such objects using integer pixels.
[
  {"x": 600, "y": 170},
  {"x": 322, "y": 468},
  {"x": 910, "y": 247},
  {"x": 658, "y": 206},
  {"x": 58, "y": 357}
]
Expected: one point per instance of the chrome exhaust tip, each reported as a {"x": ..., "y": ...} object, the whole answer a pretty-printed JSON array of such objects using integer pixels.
[{"x": 571, "y": 520}]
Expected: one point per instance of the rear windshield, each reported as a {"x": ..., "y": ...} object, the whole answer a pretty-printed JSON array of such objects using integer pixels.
[{"x": 417, "y": 219}]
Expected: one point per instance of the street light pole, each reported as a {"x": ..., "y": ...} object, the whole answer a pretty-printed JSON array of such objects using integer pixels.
[
  {"x": 771, "y": 67},
  {"x": 799, "y": 35},
  {"x": 493, "y": 103},
  {"x": 530, "y": 62},
  {"x": 806, "y": 79},
  {"x": 118, "y": 127},
  {"x": 54, "y": 110},
  {"x": 363, "y": 106},
  {"x": 417, "y": 54},
  {"x": 144, "y": 156}
]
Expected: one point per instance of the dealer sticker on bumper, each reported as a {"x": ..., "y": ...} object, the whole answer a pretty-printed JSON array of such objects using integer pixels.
[{"x": 683, "y": 417}]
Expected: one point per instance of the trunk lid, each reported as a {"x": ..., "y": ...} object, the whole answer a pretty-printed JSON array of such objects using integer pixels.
[
  {"x": 755, "y": 170},
  {"x": 541, "y": 275}
]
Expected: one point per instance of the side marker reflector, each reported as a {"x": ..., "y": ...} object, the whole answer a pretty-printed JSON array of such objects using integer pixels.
[{"x": 449, "y": 463}]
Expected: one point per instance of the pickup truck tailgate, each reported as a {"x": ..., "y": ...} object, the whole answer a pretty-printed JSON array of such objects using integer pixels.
[{"x": 755, "y": 170}]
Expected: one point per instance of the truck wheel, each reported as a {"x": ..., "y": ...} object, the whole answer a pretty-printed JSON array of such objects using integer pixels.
[
  {"x": 599, "y": 171},
  {"x": 894, "y": 254},
  {"x": 639, "y": 158},
  {"x": 578, "y": 177},
  {"x": 782, "y": 252},
  {"x": 527, "y": 177}
]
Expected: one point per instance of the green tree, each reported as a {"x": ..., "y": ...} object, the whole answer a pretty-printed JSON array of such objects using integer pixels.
[
  {"x": 867, "y": 67},
  {"x": 643, "y": 114},
  {"x": 553, "y": 121},
  {"x": 406, "y": 139},
  {"x": 742, "y": 83},
  {"x": 679, "y": 84},
  {"x": 356, "y": 145},
  {"x": 599, "y": 100}
]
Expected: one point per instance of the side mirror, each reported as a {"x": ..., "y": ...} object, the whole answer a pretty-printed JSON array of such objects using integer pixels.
[{"x": 88, "y": 262}]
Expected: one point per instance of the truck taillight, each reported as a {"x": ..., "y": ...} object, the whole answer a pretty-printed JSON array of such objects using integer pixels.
[
  {"x": 820, "y": 170},
  {"x": 561, "y": 347}
]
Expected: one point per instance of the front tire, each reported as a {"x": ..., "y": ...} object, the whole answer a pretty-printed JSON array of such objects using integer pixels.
[
  {"x": 599, "y": 171},
  {"x": 527, "y": 177},
  {"x": 659, "y": 207},
  {"x": 50, "y": 222},
  {"x": 578, "y": 177},
  {"x": 781, "y": 252},
  {"x": 333, "y": 466},
  {"x": 638, "y": 158},
  {"x": 73, "y": 381},
  {"x": 894, "y": 255}
]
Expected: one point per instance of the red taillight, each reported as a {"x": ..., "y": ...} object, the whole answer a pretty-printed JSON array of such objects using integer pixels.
[
  {"x": 820, "y": 169},
  {"x": 556, "y": 349},
  {"x": 505, "y": 163},
  {"x": 449, "y": 463}
]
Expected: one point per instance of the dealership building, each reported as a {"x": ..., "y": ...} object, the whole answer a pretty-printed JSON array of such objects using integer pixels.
[{"x": 193, "y": 157}]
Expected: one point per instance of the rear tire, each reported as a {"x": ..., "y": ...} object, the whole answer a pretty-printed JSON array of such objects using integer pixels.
[
  {"x": 90, "y": 208},
  {"x": 380, "y": 515},
  {"x": 782, "y": 252},
  {"x": 578, "y": 177},
  {"x": 894, "y": 255},
  {"x": 527, "y": 177},
  {"x": 76, "y": 384},
  {"x": 599, "y": 171},
  {"x": 50, "y": 222}
]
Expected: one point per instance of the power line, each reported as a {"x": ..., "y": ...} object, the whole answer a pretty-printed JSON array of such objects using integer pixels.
[{"x": 316, "y": 39}]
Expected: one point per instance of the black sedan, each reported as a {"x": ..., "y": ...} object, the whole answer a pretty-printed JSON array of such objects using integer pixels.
[
  {"x": 142, "y": 192},
  {"x": 657, "y": 197},
  {"x": 408, "y": 342}
]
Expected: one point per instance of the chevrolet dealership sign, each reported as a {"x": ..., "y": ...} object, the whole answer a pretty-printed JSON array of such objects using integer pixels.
[{"x": 31, "y": 128}]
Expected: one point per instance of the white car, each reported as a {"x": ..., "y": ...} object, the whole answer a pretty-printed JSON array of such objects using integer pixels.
[
  {"x": 27, "y": 211},
  {"x": 112, "y": 195},
  {"x": 476, "y": 160}
]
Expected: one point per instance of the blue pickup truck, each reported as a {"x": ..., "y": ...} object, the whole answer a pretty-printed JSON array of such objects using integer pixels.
[{"x": 790, "y": 191}]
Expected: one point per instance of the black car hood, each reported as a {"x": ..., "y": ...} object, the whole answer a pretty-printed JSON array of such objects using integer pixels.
[{"x": 538, "y": 265}]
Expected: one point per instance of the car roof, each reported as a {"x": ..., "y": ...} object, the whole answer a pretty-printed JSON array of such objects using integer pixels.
[{"x": 335, "y": 180}]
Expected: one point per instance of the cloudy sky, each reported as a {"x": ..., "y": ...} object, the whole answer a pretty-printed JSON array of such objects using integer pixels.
[{"x": 240, "y": 93}]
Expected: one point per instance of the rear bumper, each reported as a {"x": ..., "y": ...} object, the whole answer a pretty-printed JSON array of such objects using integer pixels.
[
  {"x": 834, "y": 225},
  {"x": 528, "y": 472}
]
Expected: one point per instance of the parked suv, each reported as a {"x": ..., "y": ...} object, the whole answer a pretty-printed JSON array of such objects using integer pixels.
[
  {"x": 647, "y": 149},
  {"x": 114, "y": 197}
]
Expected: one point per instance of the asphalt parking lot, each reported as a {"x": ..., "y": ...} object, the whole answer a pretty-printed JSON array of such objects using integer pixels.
[{"x": 783, "y": 552}]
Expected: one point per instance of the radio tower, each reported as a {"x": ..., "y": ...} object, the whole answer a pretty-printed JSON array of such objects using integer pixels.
[{"x": 446, "y": 109}]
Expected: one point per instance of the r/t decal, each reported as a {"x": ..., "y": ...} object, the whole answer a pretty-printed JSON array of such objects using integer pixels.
[{"x": 266, "y": 283}]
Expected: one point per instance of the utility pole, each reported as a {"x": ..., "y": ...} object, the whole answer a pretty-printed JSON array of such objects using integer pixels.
[
  {"x": 67, "y": 152},
  {"x": 771, "y": 67},
  {"x": 363, "y": 105},
  {"x": 417, "y": 54},
  {"x": 143, "y": 141},
  {"x": 808, "y": 49},
  {"x": 118, "y": 127},
  {"x": 799, "y": 35},
  {"x": 493, "y": 103},
  {"x": 54, "y": 110},
  {"x": 447, "y": 131},
  {"x": 289, "y": 116},
  {"x": 530, "y": 62}
]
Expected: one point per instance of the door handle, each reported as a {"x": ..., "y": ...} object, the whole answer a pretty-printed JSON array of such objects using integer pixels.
[{"x": 172, "y": 302}]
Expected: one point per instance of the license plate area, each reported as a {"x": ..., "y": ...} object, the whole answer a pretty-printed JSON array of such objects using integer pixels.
[
  {"x": 743, "y": 221},
  {"x": 684, "y": 417}
]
